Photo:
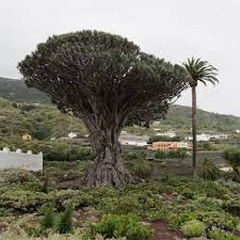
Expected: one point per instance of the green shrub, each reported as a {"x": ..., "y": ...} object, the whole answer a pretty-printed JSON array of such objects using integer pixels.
[
  {"x": 179, "y": 154},
  {"x": 127, "y": 204},
  {"x": 219, "y": 219},
  {"x": 140, "y": 167},
  {"x": 48, "y": 218},
  {"x": 161, "y": 154},
  {"x": 233, "y": 205},
  {"x": 164, "y": 139},
  {"x": 122, "y": 226},
  {"x": 233, "y": 158},
  {"x": 63, "y": 198},
  {"x": 119, "y": 205},
  {"x": 217, "y": 234},
  {"x": 20, "y": 178},
  {"x": 209, "y": 170},
  {"x": 64, "y": 222},
  {"x": 23, "y": 201},
  {"x": 160, "y": 213},
  {"x": 193, "y": 228},
  {"x": 15, "y": 232},
  {"x": 209, "y": 204}
]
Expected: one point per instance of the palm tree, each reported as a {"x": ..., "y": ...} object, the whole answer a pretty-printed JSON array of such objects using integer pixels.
[{"x": 199, "y": 71}]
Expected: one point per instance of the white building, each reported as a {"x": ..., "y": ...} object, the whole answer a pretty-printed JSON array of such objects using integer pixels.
[
  {"x": 133, "y": 140},
  {"x": 207, "y": 137},
  {"x": 169, "y": 133}
]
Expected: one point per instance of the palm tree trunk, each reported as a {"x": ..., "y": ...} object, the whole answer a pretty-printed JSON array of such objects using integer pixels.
[{"x": 194, "y": 131}]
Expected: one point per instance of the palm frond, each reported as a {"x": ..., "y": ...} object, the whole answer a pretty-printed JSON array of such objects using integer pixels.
[{"x": 200, "y": 71}]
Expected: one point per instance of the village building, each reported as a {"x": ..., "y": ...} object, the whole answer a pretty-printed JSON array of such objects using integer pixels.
[
  {"x": 169, "y": 133},
  {"x": 208, "y": 137},
  {"x": 133, "y": 140},
  {"x": 168, "y": 146}
]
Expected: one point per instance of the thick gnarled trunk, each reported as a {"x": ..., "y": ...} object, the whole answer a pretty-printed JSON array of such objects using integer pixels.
[{"x": 108, "y": 168}]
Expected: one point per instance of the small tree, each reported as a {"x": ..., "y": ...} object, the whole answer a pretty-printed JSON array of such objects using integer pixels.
[
  {"x": 198, "y": 71},
  {"x": 106, "y": 81}
]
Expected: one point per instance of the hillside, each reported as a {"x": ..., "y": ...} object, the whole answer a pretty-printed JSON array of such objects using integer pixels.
[
  {"x": 178, "y": 117},
  {"x": 41, "y": 121},
  {"x": 16, "y": 90}
]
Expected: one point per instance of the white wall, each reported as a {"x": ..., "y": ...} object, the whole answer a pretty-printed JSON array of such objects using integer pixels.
[{"x": 32, "y": 162}]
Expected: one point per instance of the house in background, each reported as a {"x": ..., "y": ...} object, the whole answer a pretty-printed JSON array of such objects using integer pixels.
[
  {"x": 207, "y": 137},
  {"x": 170, "y": 133},
  {"x": 133, "y": 140},
  {"x": 168, "y": 146}
]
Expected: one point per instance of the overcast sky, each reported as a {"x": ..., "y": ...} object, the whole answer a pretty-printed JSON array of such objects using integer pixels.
[{"x": 170, "y": 29}]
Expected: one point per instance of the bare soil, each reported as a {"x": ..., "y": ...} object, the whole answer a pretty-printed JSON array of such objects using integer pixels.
[{"x": 162, "y": 231}]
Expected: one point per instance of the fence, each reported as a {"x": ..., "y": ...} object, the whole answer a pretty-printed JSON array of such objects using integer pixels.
[{"x": 18, "y": 159}]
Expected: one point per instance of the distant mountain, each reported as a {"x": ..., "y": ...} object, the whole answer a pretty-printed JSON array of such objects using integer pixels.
[
  {"x": 16, "y": 90},
  {"x": 178, "y": 117}
]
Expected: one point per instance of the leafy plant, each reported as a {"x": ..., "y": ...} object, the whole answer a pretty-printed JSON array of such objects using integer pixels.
[
  {"x": 48, "y": 218},
  {"x": 209, "y": 170},
  {"x": 140, "y": 167},
  {"x": 217, "y": 234},
  {"x": 193, "y": 228},
  {"x": 233, "y": 158},
  {"x": 23, "y": 201},
  {"x": 64, "y": 222},
  {"x": 122, "y": 226}
]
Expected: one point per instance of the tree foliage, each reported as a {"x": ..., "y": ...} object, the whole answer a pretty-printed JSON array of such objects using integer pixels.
[
  {"x": 200, "y": 71},
  {"x": 91, "y": 70}
]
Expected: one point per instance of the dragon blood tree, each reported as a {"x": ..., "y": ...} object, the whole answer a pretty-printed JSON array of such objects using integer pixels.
[{"x": 106, "y": 81}]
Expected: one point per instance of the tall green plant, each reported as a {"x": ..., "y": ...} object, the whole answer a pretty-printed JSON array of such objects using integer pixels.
[
  {"x": 48, "y": 218},
  {"x": 64, "y": 222},
  {"x": 209, "y": 170},
  {"x": 198, "y": 71},
  {"x": 233, "y": 158}
]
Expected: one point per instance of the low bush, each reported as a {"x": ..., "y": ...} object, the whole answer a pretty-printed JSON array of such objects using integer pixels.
[
  {"x": 122, "y": 226},
  {"x": 164, "y": 139},
  {"x": 219, "y": 219},
  {"x": 15, "y": 232},
  {"x": 233, "y": 158},
  {"x": 20, "y": 178},
  {"x": 48, "y": 218},
  {"x": 208, "y": 204},
  {"x": 217, "y": 234},
  {"x": 179, "y": 154},
  {"x": 23, "y": 201},
  {"x": 193, "y": 228},
  {"x": 63, "y": 198},
  {"x": 140, "y": 167},
  {"x": 209, "y": 170},
  {"x": 64, "y": 222}
]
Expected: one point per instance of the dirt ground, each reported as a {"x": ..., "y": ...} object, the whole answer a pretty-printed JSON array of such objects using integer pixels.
[{"x": 162, "y": 232}]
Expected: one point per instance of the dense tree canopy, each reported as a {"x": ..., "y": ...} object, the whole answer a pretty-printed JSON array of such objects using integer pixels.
[{"x": 103, "y": 79}]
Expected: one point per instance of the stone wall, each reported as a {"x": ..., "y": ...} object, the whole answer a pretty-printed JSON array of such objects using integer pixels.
[{"x": 18, "y": 159}]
